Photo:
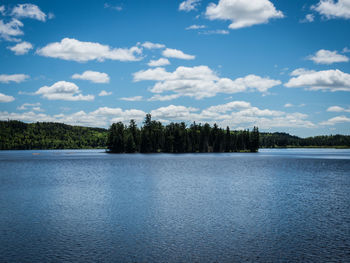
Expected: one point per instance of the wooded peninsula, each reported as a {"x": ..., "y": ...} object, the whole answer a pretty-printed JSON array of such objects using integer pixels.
[{"x": 153, "y": 136}]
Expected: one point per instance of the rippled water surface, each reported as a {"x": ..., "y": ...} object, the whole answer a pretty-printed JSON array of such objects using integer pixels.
[{"x": 89, "y": 206}]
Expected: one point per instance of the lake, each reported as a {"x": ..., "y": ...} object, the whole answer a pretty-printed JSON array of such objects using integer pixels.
[{"x": 278, "y": 205}]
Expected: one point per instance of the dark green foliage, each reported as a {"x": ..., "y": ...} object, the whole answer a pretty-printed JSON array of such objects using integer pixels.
[
  {"x": 152, "y": 137},
  {"x": 280, "y": 139},
  {"x": 16, "y": 135},
  {"x": 177, "y": 138}
]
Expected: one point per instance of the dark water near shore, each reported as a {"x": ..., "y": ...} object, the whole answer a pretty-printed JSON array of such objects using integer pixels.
[{"x": 88, "y": 206}]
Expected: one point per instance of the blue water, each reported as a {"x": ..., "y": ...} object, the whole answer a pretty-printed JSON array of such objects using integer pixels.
[{"x": 89, "y": 206}]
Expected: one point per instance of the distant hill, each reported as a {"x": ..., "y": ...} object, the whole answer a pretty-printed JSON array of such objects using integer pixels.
[
  {"x": 282, "y": 140},
  {"x": 17, "y": 135}
]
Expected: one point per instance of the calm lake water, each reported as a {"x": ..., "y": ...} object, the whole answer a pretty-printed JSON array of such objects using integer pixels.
[{"x": 89, "y": 206}]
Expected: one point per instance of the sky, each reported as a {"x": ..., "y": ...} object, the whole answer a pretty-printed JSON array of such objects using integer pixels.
[{"x": 279, "y": 65}]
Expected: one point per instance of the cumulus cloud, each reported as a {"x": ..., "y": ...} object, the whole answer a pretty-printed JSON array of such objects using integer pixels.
[
  {"x": 243, "y": 13},
  {"x": 308, "y": 18},
  {"x": 301, "y": 71},
  {"x": 113, "y": 7},
  {"x": 104, "y": 93},
  {"x": 72, "y": 49},
  {"x": 233, "y": 114},
  {"x": 215, "y": 32},
  {"x": 201, "y": 82},
  {"x": 325, "y": 80},
  {"x": 327, "y": 57},
  {"x": 195, "y": 27},
  {"x": 17, "y": 78},
  {"x": 159, "y": 62},
  {"x": 338, "y": 109},
  {"x": 63, "y": 90},
  {"x": 173, "y": 112},
  {"x": 150, "y": 45},
  {"x": 21, "y": 48},
  {"x": 333, "y": 9},
  {"x": 290, "y": 105},
  {"x": 336, "y": 120},
  {"x": 188, "y": 5},
  {"x": 9, "y": 31},
  {"x": 102, "y": 117},
  {"x": 93, "y": 76},
  {"x": 28, "y": 11},
  {"x": 32, "y": 106},
  {"x": 175, "y": 53},
  {"x": 159, "y": 97},
  {"x": 6, "y": 98},
  {"x": 136, "y": 98}
]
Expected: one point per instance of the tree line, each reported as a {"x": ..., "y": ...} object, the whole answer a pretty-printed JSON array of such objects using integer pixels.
[
  {"x": 17, "y": 135},
  {"x": 154, "y": 137},
  {"x": 283, "y": 140}
]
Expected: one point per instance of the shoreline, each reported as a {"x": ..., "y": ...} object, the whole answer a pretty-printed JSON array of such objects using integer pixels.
[{"x": 243, "y": 151}]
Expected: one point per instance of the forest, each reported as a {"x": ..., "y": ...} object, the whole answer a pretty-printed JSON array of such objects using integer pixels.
[
  {"x": 17, "y": 135},
  {"x": 174, "y": 137},
  {"x": 154, "y": 137},
  {"x": 285, "y": 140}
]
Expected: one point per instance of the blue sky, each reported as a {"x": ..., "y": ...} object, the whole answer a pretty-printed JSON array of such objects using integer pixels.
[{"x": 280, "y": 65}]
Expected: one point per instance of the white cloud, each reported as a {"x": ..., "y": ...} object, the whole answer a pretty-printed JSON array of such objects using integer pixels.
[
  {"x": 336, "y": 120},
  {"x": 93, "y": 76},
  {"x": 10, "y": 30},
  {"x": 34, "y": 106},
  {"x": 17, "y": 78},
  {"x": 72, "y": 49},
  {"x": 173, "y": 112},
  {"x": 201, "y": 82},
  {"x": 233, "y": 105},
  {"x": 28, "y": 11},
  {"x": 6, "y": 98},
  {"x": 158, "y": 63},
  {"x": 233, "y": 114},
  {"x": 333, "y": 9},
  {"x": 346, "y": 50},
  {"x": 215, "y": 32},
  {"x": 337, "y": 109},
  {"x": 104, "y": 93},
  {"x": 308, "y": 18},
  {"x": 113, "y": 7},
  {"x": 328, "y": 57},
  {"x": 195, "y": 27},
  {"x": 159, "y": 97},
  {"x": 301, "y": 71},
  {"x": 289, "y": 105},
  {"x": 243, "y": 13},
  {"x": 325, "y": 80},
  {"x": 175, "y": 53},
  {"x": 136, "y": 98},
  {"x": 2, "y": 9},
  {"x": 21, "y": 48},
  {"x": 188, "y": 5},
  {"x": 150, "y": 45},
  {"x": 63, "y": 90}
]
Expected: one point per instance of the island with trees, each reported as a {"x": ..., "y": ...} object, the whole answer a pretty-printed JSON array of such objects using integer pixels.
[{"x": 154, "y": 137}]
